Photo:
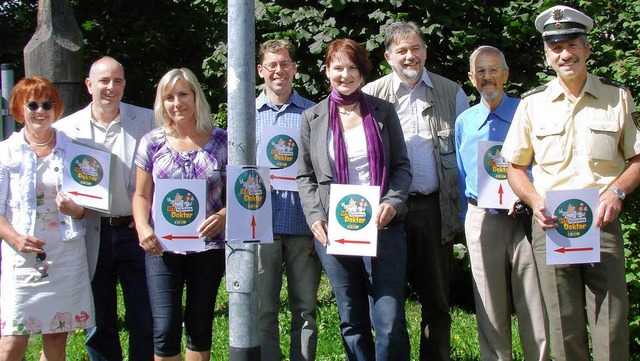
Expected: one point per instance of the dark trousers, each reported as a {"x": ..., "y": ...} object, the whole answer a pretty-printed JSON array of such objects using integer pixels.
[
  {"x": 428, "y": 271},
  {"x": 120, "y": 258},
  {"x": 168, "y": 275}
]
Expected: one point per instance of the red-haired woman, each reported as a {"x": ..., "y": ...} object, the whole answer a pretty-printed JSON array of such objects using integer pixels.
[
  {"x": 354, "y": 138},
  {"x": 45, "y": 282}
]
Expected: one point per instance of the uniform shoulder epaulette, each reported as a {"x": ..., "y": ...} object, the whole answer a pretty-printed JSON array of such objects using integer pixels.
[
  {"x": 612, "y": 82},
  {"x": 535, "y": 90}
]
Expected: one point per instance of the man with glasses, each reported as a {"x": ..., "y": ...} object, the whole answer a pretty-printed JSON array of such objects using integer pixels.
[
  {"x": 112, "y": 242},
  {"x": 502, "y": 263},
  {"x": 281, "y": 106},
  {"x": 427, "y": 105}
]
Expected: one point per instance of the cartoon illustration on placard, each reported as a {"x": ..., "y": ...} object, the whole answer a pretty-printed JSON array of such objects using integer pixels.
[
  {"x": 179, "y": 207},
  {"x": 354, "y": 212},
  {"x": 86, "y": 170},
  {"x": 250, "y": 190},
  {"x": 282, "y": 151},
  {"x": 574, "y": 218},
  {"x": 495, "y": 164}
]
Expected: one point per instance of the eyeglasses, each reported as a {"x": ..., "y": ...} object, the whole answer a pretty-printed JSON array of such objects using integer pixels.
[
  {"x": 33, "y": 106},
  {"x": 284, "y": 65},
  {"x": 491, "y": 71}
]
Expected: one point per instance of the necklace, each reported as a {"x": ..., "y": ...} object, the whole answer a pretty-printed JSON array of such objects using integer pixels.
[
  {"x": 38, "y": 144},
  {"x": 348, "y": 112}
]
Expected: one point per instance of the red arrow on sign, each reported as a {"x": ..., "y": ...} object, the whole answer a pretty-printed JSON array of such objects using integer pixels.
[
  {"x": 283, "y": 178},
  {"x": 78, "y": 194},
  {"x": 500, "y": 192},
  {"x": 171, "y": 237},
  {"x": 343, "y": 241},
  {"x": 564, "y": 250},
  {"x": 253, "y": 227}
]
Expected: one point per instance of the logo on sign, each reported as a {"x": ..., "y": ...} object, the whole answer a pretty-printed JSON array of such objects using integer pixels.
[
  {"x": 180, "y": 207},
  {"x": 495, "y": 164},
  {"x": 353, "y": 212},
  {"x": 86, "y": 170},
  {"x": 250, "y": 190},
  {"x": 282, "y": 151},
  {"x": 574, "y": 218}
]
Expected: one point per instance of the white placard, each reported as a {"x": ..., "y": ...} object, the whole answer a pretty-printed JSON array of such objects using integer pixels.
[
  {"x": 179, "y": 208},
  {"x": 352, "y": 226},
  {"x": 248, "y": 205},
  {"x": 86, "y": 176},
  {"x": 279, "y": 152},
  {"x": 576, "y": 239},
  {"x": 493, "y": 188}
]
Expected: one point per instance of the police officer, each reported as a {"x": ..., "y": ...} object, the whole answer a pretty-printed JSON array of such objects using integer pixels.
[{"x": 578, "y": 131}]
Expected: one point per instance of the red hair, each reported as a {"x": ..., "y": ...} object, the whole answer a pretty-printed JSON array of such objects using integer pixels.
[
  {"x": 36, "y": 87},
  {"x": 351, "y": 50}
]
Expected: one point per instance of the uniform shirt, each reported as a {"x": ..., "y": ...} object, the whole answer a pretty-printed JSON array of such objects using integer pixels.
[
  {"x": 409, "y": 104},
  {"x": 574, "y": 145},
  {"x": 478, "y": 124},
  {"x": 288, "y": 217}
]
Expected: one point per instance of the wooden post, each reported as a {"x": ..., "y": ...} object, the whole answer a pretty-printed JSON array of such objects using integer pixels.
[{"x": 55, "y": 52}]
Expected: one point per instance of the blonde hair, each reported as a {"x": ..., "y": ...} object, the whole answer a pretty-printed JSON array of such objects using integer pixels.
[{"x": 204, "y": 122}]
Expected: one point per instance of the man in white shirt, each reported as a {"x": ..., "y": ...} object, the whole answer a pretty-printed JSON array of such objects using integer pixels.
[{"x": 112, "y": 242}]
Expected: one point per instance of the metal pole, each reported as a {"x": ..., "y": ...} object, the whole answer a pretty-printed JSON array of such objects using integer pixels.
[
  {"x": 8, "y": 125},
  {"x": 242, "y": 261}
]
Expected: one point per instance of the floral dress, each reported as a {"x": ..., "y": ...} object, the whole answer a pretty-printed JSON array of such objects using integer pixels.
[{"x": 51, "y": 295}]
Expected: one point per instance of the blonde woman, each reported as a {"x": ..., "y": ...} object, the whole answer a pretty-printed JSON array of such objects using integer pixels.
[{"x": 185, "y": 146}]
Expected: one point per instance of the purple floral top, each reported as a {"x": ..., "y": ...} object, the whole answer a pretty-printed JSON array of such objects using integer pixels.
[{"x": 156, "y": 156}]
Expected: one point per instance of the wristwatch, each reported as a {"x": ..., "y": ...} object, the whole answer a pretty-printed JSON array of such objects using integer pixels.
[{"x": 618, "y": 192}]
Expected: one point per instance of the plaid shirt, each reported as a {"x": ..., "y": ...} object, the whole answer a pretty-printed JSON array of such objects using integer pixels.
[
  {"x": 288, "y": 217},
  {"x": 155, "y": 156}
]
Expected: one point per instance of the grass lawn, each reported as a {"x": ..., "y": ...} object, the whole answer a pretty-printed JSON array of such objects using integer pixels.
[{"x": 464, "y": 339}]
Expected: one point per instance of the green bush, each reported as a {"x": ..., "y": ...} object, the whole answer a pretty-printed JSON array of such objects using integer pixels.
[{"x": 631, "y": 233}]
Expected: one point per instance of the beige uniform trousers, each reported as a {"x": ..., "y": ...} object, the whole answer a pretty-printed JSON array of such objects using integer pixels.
[{"x": 600, "y": 288}]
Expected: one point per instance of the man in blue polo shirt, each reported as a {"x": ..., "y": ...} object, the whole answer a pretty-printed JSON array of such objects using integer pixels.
[
  {"x": 292, "y": 250},
  {"x": 502, "y": 262}
]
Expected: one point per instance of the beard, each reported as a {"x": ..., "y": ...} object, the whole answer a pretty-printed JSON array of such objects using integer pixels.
[
  {"x": 410, "y": 74},
  {"x": 490, "y": 95}
]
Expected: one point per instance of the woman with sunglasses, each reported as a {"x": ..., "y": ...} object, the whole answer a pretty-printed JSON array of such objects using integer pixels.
[
  {"x": 45, "y": 286},
  {"x": 354, "y": 138}
]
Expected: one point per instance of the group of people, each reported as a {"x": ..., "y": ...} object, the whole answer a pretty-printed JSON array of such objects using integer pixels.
[{"x": 411, "y": 133}]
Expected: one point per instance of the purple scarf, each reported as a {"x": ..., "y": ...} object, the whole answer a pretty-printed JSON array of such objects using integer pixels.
[{"x": 375, "y": 150}]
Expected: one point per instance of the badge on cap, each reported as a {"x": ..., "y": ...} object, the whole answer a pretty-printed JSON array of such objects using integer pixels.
[{"x": 561, "y": 23}]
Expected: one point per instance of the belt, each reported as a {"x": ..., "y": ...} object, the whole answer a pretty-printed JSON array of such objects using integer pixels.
[
  {"x": 500, "y": 211},
  {"x": 116, "y": 222},
  {"x": 416, "y": 195}
]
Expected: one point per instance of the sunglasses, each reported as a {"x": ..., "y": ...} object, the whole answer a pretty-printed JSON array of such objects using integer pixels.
[{"x": 33, "y": 106}]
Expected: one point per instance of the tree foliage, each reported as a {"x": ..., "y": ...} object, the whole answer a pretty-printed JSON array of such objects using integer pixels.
[{"x": 151, "y": 36}]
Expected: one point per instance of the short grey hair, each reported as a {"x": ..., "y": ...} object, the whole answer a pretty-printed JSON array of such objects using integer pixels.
[
  {"x": 402, "y": 30},
  {"x": 487, "y": 49}
]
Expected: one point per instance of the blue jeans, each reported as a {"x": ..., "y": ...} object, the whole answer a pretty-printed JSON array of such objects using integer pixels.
[
  {"x": 120, "y": 258},
  {"x": 370, "y": 293},
  {"x": 167, "y": 276}
]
